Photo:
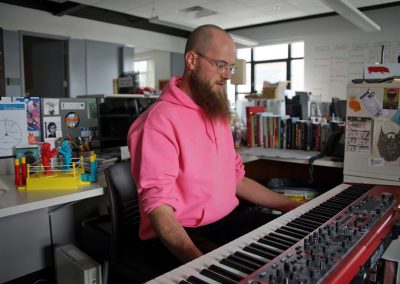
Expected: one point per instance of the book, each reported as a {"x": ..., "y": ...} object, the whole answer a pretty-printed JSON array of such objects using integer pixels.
[{"x": 251, "y": 112}]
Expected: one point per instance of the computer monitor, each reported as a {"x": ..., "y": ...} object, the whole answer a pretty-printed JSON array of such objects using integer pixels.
[
  {"x": 297, "y": 106},
  {"x": 338, "y": 108}
]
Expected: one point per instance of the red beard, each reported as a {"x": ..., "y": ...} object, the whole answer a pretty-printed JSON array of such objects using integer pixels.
[{"x": 214, "y": 104}]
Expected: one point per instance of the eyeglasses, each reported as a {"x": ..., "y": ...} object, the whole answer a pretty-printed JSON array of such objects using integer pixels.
[{"x": 221, "y": 66}]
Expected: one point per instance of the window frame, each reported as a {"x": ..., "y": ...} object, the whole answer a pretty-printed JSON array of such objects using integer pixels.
[{"x": 253, "y": 63}]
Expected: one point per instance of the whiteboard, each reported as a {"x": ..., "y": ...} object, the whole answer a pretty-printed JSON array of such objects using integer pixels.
[
  {"x": 333, "y": 60},
  {"x": 13, "y": 127}
]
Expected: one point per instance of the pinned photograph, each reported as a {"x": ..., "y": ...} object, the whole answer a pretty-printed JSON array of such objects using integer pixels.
[
  {"x": 51, "y": 106},
  {"x": 52, "y": 127}
]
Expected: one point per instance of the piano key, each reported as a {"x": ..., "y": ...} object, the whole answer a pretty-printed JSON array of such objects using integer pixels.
[
  {"x": 274, "y": 243},
  {"x": 279, "y": 240},
  {"x": 307, "y": 221},
  {"x": 292, "y": 233},
  {"x": 231, "y": 262},
  {"x": 217, "y": 277},
  {"x": 301, "y": 227},
  {"x": 195, "y": 280},
  {"x": 254, "y": 259},
  {"x": 261, "y": 251},
  {"x": 285, "y": 237},
  {"x": 225, "y": 272}
]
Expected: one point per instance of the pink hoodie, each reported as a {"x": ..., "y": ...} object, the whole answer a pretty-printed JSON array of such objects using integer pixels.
[{"x": 181, "y": 158}]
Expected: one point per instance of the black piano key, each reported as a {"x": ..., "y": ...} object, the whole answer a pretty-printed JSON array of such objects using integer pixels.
[
  {"x": 292, "y": 233},
  {"x": 309, "y": 225},
  {"x": 244, "y": 261},
  {"x": 194, "y": 280},
  {"x": 308, "y": 221},
  {"x": 255, "y": 261},
  {"x": 285, "y": 237},
  {"x": 339, "y": 200},
  {"x": 329, "y": 211},
  {"x": 234, "y": 263},
  {"x": 297, "y": 230},
  {"x": 217, "y": 277},
  {"x": 273, "y": 243},
  {"x": 261, "y": 251},
  {"x": 332, "y": 208},
  {"x": 316, "y": 218},
  {"x": 257, "y": 252},
  {"x": 300, "y": 227},
  {"x": 323, "y": 213},
  {"x": 279, "y": 240},
  {"x": 183, "y": 282},
  {"x": 226, "y": 273}
]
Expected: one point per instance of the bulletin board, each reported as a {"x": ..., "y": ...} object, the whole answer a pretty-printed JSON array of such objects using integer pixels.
[
  {"x": 13, "y": 127},
  {"x": 68, "y": 116}
]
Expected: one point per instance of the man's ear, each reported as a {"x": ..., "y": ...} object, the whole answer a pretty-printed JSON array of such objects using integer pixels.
[{"x": 190, "y": 60}]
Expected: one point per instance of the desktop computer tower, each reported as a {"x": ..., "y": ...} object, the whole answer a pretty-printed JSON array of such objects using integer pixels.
[{"x": 75, "y": 267}]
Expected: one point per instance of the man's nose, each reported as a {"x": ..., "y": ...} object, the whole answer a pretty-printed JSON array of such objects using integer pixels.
[{"x": 226, "y": 75}]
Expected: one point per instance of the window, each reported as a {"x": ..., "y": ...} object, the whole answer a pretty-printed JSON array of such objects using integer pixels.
[
  {"x": 273, "y": 63},
  {"x": 272, "y": 72},
  {"x": 271, "y": 52},
  {"x": 146, "y": 72}
]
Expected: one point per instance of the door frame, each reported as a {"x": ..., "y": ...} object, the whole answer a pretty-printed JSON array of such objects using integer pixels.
[{"x": 22, "y": 63}]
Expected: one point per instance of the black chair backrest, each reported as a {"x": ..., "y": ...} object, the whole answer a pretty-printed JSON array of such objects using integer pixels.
[{"x": 124, "y": 207}]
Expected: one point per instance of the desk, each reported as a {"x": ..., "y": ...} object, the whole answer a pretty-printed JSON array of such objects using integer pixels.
[
  {"x": 32, "y": 221},
  {"x": 16, "y": 201},
  {"x": 263, "y": 164}
]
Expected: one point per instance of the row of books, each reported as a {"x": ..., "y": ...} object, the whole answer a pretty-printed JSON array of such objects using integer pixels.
[{"x": 267, "y": 130}]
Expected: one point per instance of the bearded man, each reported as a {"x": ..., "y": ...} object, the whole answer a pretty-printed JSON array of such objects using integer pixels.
[{"x": 188, "y": 175}]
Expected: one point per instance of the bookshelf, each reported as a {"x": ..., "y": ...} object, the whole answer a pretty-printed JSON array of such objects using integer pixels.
[{"x": 279, "y": 146}]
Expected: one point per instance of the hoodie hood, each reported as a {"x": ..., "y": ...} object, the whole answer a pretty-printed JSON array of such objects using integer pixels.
[{"x": 173, "y": 94}]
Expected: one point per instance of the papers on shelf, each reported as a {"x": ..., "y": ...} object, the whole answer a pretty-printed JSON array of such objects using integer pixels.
[
  {"x": 279, "y": 153},
  {"x": 3, "y": 186}
]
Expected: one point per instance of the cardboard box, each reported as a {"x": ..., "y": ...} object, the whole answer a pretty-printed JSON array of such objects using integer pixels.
[{"x": 274, "y": 91}]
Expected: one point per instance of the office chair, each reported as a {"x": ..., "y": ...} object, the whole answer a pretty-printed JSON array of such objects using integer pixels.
[{"x": 125, "y": 259}]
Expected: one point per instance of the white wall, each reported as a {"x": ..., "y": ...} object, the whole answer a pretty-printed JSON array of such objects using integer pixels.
[
  {"x": 162, "y": 63},
  {"x": 335, "y": 50},
  {"x": 24, "y": 19}
]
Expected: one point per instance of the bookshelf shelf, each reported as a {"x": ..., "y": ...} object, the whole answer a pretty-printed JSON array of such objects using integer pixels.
[{"x": 286, "y": 155}]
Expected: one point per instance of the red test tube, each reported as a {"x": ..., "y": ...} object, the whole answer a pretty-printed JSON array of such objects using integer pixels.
[
  {"x": 23, "y": 167},
  {"x": 17, "y": 172}
]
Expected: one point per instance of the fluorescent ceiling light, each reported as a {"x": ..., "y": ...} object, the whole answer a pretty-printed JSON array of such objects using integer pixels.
[
  {"x": 238, "y": 39},
  {"x": 157, "y": 20},
  {"x": 352, "y": 14},
  {"x": 243, "y": 40}
]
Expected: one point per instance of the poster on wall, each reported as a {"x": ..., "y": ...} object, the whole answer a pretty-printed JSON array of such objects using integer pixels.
[
  {"x": 13, "y": 127},
  {"x": 386, "y": 143},
  {"x": 33, "y": 117}
]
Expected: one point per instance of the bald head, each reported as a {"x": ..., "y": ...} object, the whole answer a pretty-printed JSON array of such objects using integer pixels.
[{"x": 204, "y": 37}]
